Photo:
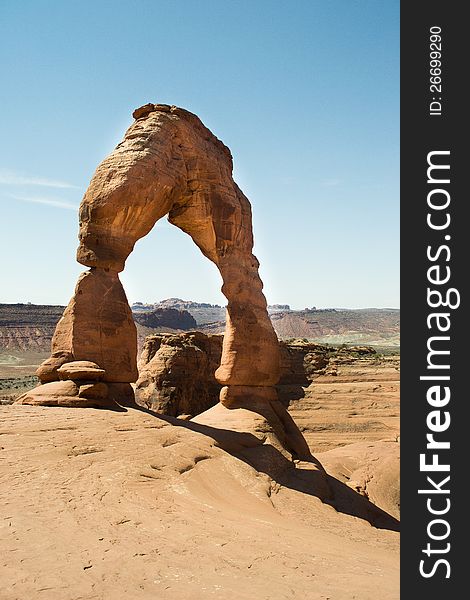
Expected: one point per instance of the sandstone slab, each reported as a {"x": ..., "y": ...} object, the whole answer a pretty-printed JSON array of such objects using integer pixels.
[
  {"x": 48, "y": 370},
  {"x": 56, "y": 393},
  {"x": 94, "y": 390},
  {"x": 80, "y": 369}
]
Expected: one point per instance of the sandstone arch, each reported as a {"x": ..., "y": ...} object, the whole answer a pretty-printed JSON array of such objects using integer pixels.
[{"x": 168, "y": 163}]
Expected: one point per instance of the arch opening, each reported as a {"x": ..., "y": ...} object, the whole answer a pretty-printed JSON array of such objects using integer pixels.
[{"x": 167, "y": 264}]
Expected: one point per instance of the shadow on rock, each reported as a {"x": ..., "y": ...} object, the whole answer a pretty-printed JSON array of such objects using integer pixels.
[
  {"x": 288, "y": 393},
  {"x": 307, "y": 477}
]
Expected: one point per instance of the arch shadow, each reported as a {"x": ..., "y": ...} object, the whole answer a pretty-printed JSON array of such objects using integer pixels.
[{"x": 298, "y": 475}]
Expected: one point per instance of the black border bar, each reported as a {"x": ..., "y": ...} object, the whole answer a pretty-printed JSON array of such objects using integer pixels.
[{"x": 433, "y": 208}]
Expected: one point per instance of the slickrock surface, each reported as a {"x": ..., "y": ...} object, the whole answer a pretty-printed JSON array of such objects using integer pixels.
[
  {"x": 370, "y": 468},
  {"x": 98, "y": 505},
  {"x": 338, "y": 396}
]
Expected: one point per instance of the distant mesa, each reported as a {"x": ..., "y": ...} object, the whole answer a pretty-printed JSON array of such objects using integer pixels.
[
  {"x": 166, "y": 317},
  {"x": 176, "y": 303},
  {"x": 180, "y": 304},
  {"x": 277, "y": 307},
  {"x": 185, "y": 304}
]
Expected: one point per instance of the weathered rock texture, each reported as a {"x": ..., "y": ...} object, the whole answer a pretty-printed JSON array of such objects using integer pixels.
[
  {"x": 177, "y": 373},
  {"x": 346, "y": 396},
  {"x": 169, "y": 163},
  {"x": 97, "y": 325}
]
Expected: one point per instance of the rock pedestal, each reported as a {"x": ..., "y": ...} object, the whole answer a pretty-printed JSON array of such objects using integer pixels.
[{"x": 169, "y": 163}]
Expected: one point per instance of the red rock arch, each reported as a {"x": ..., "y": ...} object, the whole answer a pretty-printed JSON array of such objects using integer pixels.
[{"x": 168, "y": 163}]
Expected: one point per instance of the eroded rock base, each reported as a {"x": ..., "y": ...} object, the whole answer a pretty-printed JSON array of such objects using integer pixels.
[{"x": 257, "y": 412}]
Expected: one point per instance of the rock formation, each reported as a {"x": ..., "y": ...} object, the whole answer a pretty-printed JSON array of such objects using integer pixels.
[
  {"x": 344, "y": 397},
  {"x": 177, "y": 371},
  {"x": 169, "y": 163}
]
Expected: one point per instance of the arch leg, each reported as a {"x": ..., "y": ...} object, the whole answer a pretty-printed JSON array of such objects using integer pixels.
[{"x": 249, "y": 366}]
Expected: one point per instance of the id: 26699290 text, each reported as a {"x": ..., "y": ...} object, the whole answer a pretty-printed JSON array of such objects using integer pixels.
[{"x": 435, "y": 71}]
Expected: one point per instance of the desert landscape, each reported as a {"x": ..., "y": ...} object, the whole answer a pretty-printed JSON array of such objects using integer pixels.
[
  {"x": 185, "y": 450},
  {"x": 158, "y": 507},
  {"x": 200, "y": 301}
]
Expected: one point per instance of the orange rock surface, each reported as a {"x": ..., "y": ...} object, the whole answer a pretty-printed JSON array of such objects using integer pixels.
[{"x": 169, "y": 163}]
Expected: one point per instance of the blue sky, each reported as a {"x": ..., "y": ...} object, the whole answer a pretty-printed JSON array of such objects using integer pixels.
[{"x": 305, "y": 94}]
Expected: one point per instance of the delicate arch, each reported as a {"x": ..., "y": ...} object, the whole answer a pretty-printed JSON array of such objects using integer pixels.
[{"x": 168, "y": 163}]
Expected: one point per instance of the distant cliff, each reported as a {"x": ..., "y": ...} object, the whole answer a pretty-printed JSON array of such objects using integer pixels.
[
  {"x": 25, "y": 327},
  {"x": 28, "y": 326}
]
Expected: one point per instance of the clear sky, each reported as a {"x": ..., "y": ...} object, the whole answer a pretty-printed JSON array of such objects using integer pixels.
[{"x": 304, "y": 93}]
